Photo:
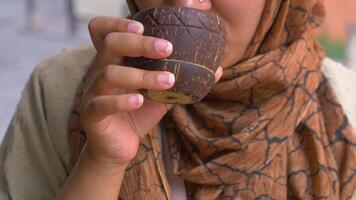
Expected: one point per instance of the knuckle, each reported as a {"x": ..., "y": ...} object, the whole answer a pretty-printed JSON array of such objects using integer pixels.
[
  {"x": 118, "y": 25},
  {"x": 109, "y": 41},
  {"x": 93, "y": 106},
  {"x": 143, "y": 78},
  {"x": 108, "y": 74},
  {"x": 92, "y": 24},
  {"x": 142, "y": 45}
]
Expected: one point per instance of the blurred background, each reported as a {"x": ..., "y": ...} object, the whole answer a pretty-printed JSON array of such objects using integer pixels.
[{"x": 31, "y": 30}]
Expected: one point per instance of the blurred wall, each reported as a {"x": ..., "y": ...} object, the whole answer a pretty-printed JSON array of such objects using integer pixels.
[
  {"x": 341, "y": 14},
  {"x": 88, "y": 8}
]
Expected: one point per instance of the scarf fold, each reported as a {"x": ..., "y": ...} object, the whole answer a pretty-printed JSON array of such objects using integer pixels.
[{"x": 272, "y": 128}]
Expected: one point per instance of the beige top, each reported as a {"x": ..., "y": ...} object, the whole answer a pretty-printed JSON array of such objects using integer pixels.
[{"x": 35, "y": 151}]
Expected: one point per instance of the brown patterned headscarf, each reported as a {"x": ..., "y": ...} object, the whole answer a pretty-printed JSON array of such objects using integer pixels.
[{"x": 272, "y": 128}]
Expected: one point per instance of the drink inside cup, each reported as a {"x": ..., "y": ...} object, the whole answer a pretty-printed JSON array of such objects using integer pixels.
[{"x": 198, "y": 39}]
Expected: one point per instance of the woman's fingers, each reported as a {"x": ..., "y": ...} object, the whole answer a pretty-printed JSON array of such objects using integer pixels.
[
  {"x": 122, "y": 37},
  {"x": 100, "y": 107},
  {"x": 133, "y": 45},
  {"x": 115, "y": 38},
  {"x": 113, "y": 77},
  {"x": 100, "y": 27}
]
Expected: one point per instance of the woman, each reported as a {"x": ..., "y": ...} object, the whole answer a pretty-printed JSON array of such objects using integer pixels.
[{"x": 271, "y": 128}]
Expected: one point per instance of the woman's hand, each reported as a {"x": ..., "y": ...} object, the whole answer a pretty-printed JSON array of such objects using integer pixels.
[{"x": 114, "y": 114}]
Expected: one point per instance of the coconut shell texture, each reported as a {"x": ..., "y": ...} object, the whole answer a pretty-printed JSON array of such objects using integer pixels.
[{"x": 198, "y": 39}]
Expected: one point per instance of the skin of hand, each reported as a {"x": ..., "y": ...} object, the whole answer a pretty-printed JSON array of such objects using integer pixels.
[{"x": 115, "y": 116}]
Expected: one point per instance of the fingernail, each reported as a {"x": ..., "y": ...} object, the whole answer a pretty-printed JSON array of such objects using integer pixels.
[
  {"x": 136, "y": 100},
  {"x": 135, "y": 27},
  {"x": 218, "y": 74},
  {"x": 163, "y": 46},
  {"x": 166, "y": 78}
]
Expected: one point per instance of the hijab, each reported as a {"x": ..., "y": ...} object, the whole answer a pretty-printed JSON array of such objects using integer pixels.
[{"x": 272, "y": 128}]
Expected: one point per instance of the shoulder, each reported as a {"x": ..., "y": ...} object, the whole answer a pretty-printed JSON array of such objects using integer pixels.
[
  {"x": 36, "y": 142},
  {"x": 59, "y": 76},
  {"x": 343, "y": 81},
  {"x": 69, "y": 63},
  {"x": 55, "y": 82}
]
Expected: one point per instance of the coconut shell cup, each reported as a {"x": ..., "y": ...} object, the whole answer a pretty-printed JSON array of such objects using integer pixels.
[{"x": 198, "y": 39}]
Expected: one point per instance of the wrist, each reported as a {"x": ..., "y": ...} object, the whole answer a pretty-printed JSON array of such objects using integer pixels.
[
  {"x": 102, "y": 166},
  {"x": 93, "y": 180}
]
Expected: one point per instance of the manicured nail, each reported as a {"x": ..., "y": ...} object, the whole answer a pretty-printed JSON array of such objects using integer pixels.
[
  {"x": 163, "y": 46},
  {"x": 218, "y": 74},
  {"x": 135, "y": 27},
  {"x": 136, "y": 100},
  {"x": 166, "y": 78}
]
